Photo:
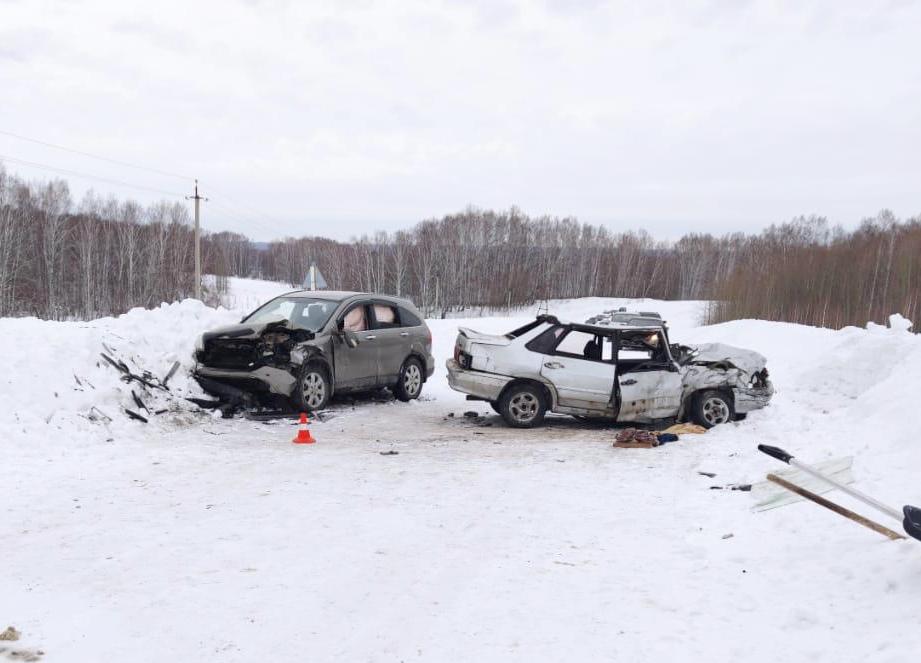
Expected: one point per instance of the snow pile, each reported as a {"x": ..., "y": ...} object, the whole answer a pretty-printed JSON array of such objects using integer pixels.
[{"x": 54, "y": 372}]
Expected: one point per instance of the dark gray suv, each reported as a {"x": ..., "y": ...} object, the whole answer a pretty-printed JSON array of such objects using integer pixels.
[{"x": 307, "y": 345}]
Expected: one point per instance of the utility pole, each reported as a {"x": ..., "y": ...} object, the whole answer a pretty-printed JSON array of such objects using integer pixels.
[{"x": 197, "y": 200}]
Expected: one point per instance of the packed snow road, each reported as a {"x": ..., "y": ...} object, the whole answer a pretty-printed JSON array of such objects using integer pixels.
[{"x": 197, "y": 538}]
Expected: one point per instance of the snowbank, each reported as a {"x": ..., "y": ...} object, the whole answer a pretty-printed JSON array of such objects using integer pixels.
[{"x": 54, "y": 373}]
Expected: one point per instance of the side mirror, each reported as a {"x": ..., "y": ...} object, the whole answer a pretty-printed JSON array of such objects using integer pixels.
[
  {"x": 351, "y": 339},
  {"x": 340, "y": 324}
]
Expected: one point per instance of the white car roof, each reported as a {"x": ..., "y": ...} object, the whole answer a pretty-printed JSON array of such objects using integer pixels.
[{"x": 607, "y": 326}]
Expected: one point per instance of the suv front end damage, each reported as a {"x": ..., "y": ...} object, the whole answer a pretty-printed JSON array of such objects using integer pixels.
[{"x": 243, "y": 361}]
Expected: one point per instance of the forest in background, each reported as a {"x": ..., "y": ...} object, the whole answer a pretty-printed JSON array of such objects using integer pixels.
[{"x": 62, "y": 260}]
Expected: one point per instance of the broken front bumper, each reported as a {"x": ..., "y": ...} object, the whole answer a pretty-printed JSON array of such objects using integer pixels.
[
  {"x": 487, "y": 386},
  {"x": 752, "y": 398},
  {"x": 264, "y": 378}
]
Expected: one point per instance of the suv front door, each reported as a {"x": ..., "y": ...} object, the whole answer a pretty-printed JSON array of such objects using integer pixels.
[{"x": 356, "y": 368}]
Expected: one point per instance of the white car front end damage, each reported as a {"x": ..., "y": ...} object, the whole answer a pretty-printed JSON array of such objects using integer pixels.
[
  {"x": 624, "y": 372},
  {"x": 721, "y": 366}
]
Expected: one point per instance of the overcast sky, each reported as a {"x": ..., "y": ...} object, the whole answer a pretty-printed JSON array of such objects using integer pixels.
[{"x": 337, "y": 118}]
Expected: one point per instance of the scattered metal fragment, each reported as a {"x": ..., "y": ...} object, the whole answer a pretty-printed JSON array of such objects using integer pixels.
[
  {"x": 135, "y": 415},
  {"x": 171, "y": 373},
  {"x": 139, "y": 402},
  {"x": 95, "y": 413}
]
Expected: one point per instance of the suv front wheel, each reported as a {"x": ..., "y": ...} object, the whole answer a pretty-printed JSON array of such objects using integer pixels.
[{"x": 313, "y": 387}]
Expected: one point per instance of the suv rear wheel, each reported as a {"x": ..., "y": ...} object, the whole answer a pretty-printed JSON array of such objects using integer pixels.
[
  {"x": 522, "y": 405},
  {"x": 313, "y": 387},
  {"x": 409, "y": 386}
]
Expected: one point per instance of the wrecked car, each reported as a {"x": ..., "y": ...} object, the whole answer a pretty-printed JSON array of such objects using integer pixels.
[
  {"x": 618, "y": 372},
  {"x": 305, "y": 346}
]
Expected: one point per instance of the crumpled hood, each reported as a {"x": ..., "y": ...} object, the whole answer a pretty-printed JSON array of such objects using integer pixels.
[
  {"x": 720, "y": 355},
  {"x": 234, "y": 331},
  {"x": 255, "y": 330}
]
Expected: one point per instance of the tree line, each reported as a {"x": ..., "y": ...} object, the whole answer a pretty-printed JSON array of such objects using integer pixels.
[
  {"x": 103, "y": 256},
  {"x": 60, "y": 260},
  {"x": 803, "y": 271}
]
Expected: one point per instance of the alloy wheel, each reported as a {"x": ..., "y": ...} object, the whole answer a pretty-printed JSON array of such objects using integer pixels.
[
  {"x": 412, "y": 379},
  {"x": 314, "y": 387},
  {"x": 715, "y": 411},
  {"x": 523, "y": 407}
]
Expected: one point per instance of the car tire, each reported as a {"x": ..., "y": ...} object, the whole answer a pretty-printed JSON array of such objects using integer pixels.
[
  {"x": 522, "y": 405},
  {"x": 495, "y": 407},
  {"x": 412, "y": 376},
  {"x": 711, "y": 408},
  {"x": 313, "y": 388}
]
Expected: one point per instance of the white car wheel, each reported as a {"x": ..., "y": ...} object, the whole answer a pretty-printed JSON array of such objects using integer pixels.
[
  {"x": 712, "y": 408},
  {"x": 522, "y": 406}
]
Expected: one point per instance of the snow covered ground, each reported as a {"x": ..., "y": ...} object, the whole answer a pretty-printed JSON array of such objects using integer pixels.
[{"x": 192, "y": 538}]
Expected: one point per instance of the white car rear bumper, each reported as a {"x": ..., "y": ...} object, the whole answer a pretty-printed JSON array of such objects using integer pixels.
[{"x": 487, "y": 386}]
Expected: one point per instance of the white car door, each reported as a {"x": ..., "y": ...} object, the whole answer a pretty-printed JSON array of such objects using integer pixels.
[
  {"x": 583, "y": 378},
  {"x": 648, "y": 379}
]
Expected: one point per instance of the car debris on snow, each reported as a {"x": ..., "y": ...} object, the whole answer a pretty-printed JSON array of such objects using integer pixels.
[{"x": 10, "y": 633}]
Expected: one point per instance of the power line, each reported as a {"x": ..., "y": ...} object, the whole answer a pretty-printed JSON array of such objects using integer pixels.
[
  {"x": 243, "y": 207},
  {"x": 228, "y": 208},
  {"x": 238, "y": 216},
  {"x": 76, "y": 173},
  {"x": 95, "y": 156}
]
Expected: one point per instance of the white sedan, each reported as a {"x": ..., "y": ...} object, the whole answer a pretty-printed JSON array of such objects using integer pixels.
[{"x": 623, "y": 373}]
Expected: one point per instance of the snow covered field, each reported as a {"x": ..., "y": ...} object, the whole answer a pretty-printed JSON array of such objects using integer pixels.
[{"x": 193, "y": 538}]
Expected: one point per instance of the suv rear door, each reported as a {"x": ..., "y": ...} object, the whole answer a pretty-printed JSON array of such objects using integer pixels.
[
  {"x": 356, "y": 367},
  {"x": 393, "y": 340},
  {"x": 581, "y": 367}
]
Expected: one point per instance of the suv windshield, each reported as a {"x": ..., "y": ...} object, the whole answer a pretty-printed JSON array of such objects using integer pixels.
[{"x": 299, "y": 312}]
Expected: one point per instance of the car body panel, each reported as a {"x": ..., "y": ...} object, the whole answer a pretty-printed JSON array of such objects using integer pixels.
[
  {"x": 649, "y": 395},
  {"x": 581, "y": 384}
]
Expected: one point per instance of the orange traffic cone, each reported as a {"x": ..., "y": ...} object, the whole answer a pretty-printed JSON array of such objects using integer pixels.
[{"x": 303, "y": 435}]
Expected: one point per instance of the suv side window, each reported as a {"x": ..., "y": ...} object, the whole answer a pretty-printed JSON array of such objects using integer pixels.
[
  {"x": 356, "y": 318},
  {"x": 385, "y": 316},
  {"x": 408, "y": 319}
]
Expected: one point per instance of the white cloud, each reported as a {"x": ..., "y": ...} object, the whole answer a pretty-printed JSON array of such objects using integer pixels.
[{"x": 337, "y": 118}]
